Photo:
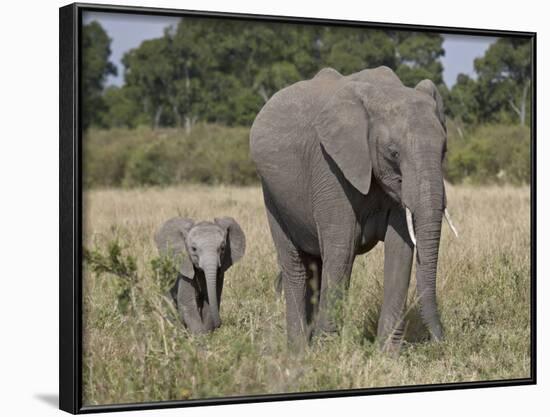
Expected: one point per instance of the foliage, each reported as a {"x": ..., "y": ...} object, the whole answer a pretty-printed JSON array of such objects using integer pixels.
[
  {"x": 214, "y": 154},
  {"x": 490, "y": 154},
  {"x": 127, "y": 283},
  {"x": 418, "y": 57},
  {"x": 95, "y": 69},
  {"x": 505, "y": 80},
  {"x": 124, "y": 108},
  {"x": 210, "y": 154},
  {"x": 205, "y": 80},
  {"x": 350, "y": 49},
  {"x": 146, "y": 354},
  {"x": 461, "y": 102},
  {"x": 502, "y": 90},
  {"x": 224, "y": 71},
  {"x": 123, "y": 268}
]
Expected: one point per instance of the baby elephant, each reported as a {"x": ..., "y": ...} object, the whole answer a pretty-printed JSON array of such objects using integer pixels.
[{"x": 202, "y": 252}]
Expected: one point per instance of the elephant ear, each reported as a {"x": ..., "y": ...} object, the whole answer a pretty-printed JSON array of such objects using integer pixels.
[
  {"x": 342, "y": 127},
  {"x": 170, "y": 240},
  {"x": 428, "y": 87},
  {"x": 235, "y": 244}
]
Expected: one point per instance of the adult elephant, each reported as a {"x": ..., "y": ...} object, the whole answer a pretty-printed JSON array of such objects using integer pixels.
[{"x": 346, "y": 162}]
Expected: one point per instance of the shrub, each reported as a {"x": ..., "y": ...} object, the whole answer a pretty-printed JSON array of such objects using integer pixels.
[
  {"x": 210, "y": 154},
  {"x": 150, "y": 164},
  {"x": 495, "y": 153},
  {"x": 215, "y": 154}
]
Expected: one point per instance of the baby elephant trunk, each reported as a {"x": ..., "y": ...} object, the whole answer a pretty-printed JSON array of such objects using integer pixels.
[{"x": 211, "y": 274}]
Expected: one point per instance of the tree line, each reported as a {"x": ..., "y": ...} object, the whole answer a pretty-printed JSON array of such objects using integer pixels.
[{"x": 220, "y": 71}]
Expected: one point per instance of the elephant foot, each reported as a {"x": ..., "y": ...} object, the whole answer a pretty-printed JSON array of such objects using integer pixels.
[
  {"x": 391, "y": 348},
  {"x": 297, "y": 344},
  {"x": 328, "y": 329},
  {"x": 326, "y": 326},
  {"x": 198, "y": 332},
  {"x": 437, "y": 337},
  {"x": 436, "y": 333},
  {"x": 392, "y": 351},
  {"x": 321, "y": 333},
  {"x": 321, "y": 338}
]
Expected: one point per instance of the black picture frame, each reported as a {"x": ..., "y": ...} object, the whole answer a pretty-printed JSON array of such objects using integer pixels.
[{"x": 70, "y": 206}]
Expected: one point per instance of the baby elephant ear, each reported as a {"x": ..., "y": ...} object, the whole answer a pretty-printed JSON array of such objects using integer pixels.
[
  {"x": 428, "y": 87},
  {"x": 170, "y": 240},
  {"x": 236, "y": 241}
]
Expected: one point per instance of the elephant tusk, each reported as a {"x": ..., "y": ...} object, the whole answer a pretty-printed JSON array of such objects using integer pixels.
[
  {"x": 451, "y": 225},
  {"x": 410, "y": 226}
]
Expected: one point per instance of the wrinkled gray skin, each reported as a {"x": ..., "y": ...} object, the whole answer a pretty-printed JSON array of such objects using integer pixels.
[
  {"x": 202, "y": 252},
  {"x": 340, "y": 157}
]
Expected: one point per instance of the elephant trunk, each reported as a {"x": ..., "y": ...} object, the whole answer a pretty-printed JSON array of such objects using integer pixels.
[
  {"x": 427, "y": 225},
  {"x": 428, "y": 232},
  {"x": 211, "y": 275}
]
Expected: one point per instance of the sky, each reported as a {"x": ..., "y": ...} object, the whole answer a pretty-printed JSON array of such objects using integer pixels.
[{"x": 127, "y": 31}]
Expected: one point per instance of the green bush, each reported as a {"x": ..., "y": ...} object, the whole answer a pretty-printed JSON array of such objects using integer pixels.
[
  {"x": 209, "y": 154},
  {"x": 106, "y": 153},
  {"x": 216, "y": 154},
  {"x": 495, "y": 153},
  {"x": 150, "y": 164}
]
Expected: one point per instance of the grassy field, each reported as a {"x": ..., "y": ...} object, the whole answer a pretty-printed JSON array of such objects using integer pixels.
[{"x": 141, "y": 354}]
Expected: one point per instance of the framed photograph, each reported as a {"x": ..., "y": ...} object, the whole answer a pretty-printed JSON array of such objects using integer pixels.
[{"x": 258, "y": 208}]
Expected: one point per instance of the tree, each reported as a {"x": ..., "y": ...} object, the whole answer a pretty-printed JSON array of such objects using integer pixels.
[
  {"x": 349, "y": 50},
  {"x": 123, "y": 108},
  {"x": 418, "y": 57},
  {"x": 96, "y": 49},
  {"x": 149, "y": 72},
  {"x": 504, "y": 78},
  {"x": 281, "y": 54},
  {"x": 224, "y": 72},
  {"x": 191, "y": 57},
  {"x": 462, "y": 103}
]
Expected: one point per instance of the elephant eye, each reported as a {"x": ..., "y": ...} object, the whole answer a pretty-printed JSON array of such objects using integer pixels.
[
  {"x": 193, "y": 248},
  {"x": 393, "y": 149}
]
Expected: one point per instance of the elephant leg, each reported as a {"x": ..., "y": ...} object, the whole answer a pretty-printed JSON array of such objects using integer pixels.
[
  {"x": 295, "y": 291},
  {"x": 398, "y": 257},
  {"x": 335, "y": 277},
  {"x": 188, "y": 308},
  {"x": 293, "y": 272}
]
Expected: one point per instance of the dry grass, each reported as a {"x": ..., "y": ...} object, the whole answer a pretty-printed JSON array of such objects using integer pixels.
[{"x": 484, "y": 294}]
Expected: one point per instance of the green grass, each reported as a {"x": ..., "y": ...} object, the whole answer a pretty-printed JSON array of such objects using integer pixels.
[{"x": 141, "y": 354}]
